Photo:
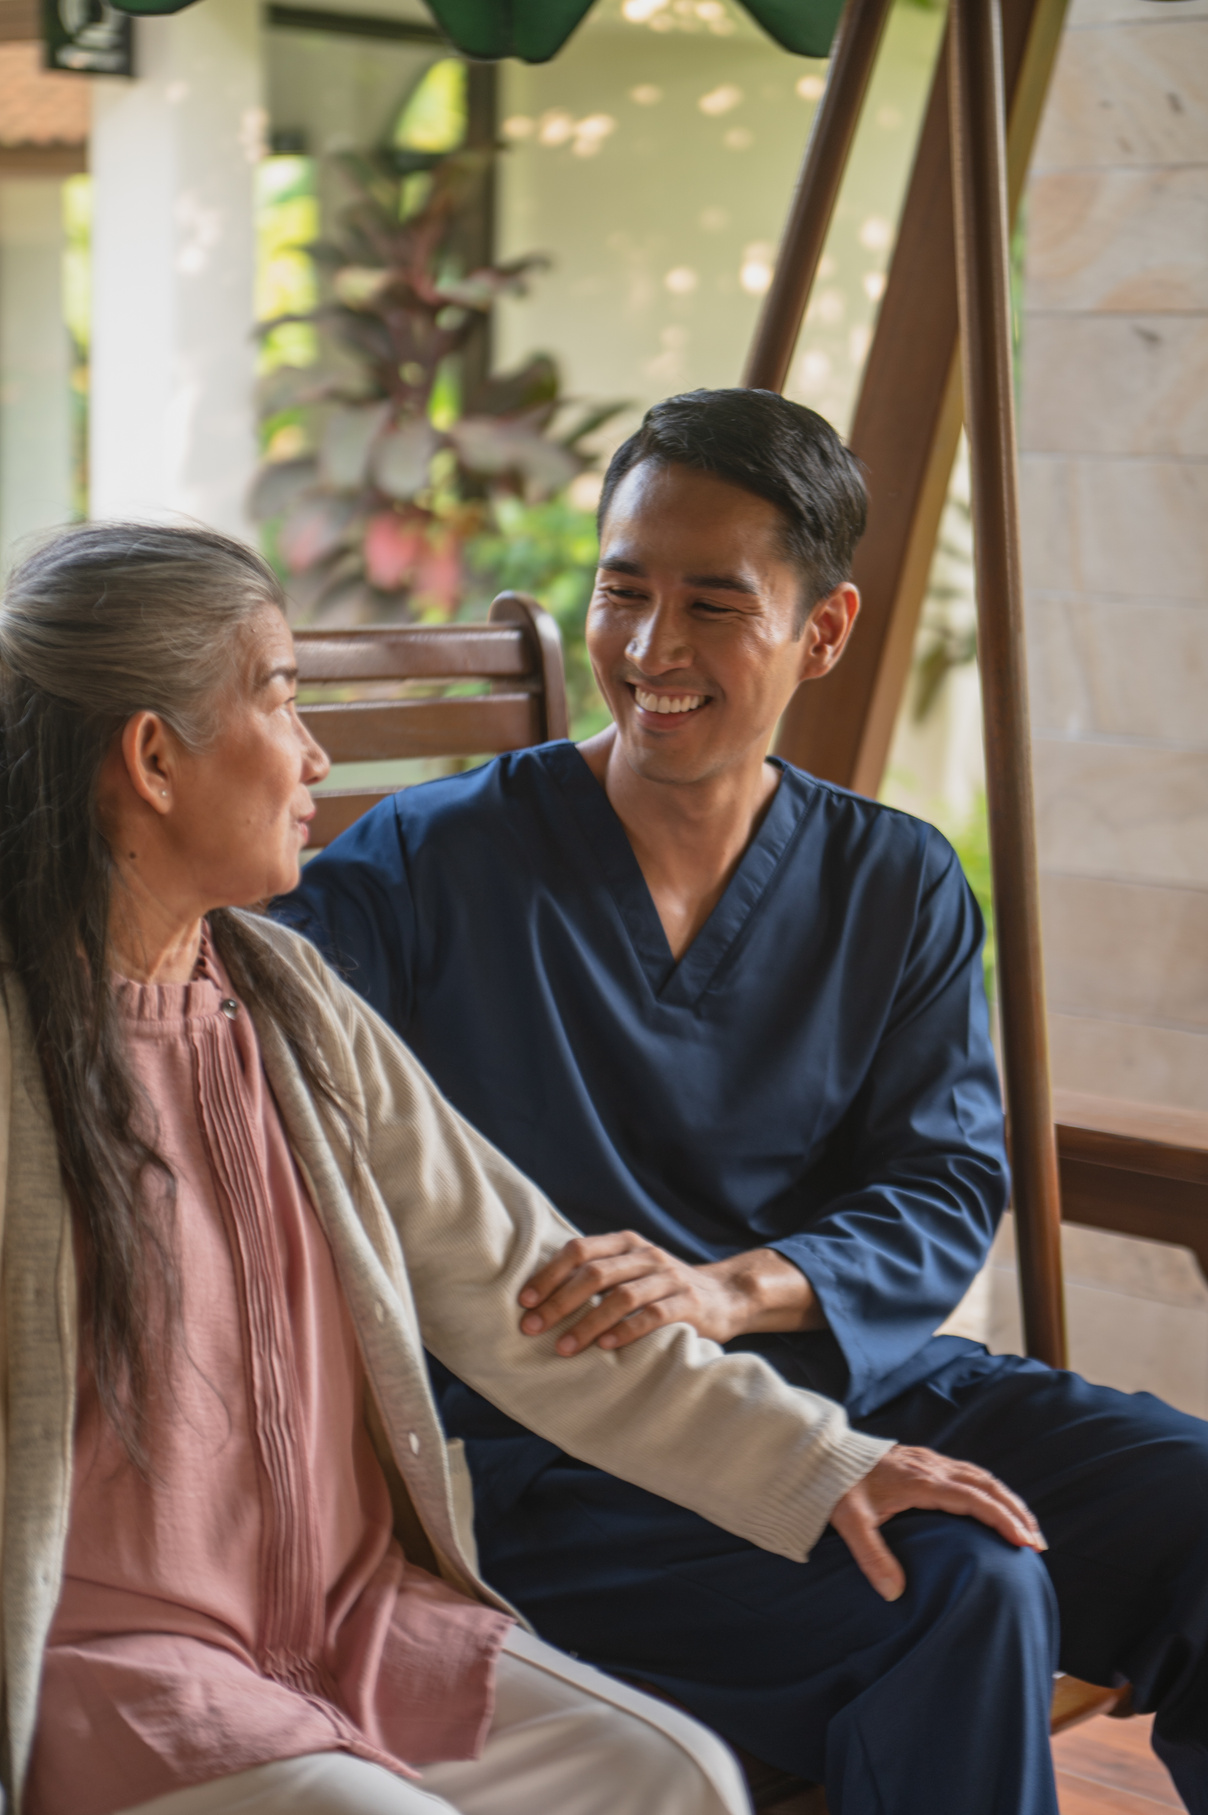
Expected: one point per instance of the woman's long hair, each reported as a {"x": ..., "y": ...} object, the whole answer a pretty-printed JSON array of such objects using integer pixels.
[{"x": 106, "y": 620}]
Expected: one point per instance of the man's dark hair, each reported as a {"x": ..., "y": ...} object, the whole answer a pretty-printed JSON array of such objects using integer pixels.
[{"x": 780, "y": 451}]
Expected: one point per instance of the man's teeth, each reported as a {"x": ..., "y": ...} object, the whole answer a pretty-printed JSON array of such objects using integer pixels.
[{"x": 668, "y": 702}]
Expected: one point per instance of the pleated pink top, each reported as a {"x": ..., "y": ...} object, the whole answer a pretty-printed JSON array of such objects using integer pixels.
[{"x": 249, "y": 1602}]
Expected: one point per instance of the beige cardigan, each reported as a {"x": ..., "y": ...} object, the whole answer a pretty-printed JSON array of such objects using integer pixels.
[{"x": 432, "y": 1250}]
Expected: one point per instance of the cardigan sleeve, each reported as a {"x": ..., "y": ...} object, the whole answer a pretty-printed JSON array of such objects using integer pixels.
[{"x": 721, "y": 1434}]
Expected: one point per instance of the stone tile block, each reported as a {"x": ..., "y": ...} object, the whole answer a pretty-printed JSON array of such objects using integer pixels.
[
  {"x": 1126, "y": 949},
  {"x": 1122, "y": 810},
  {"x": 1126, "y": 241},
  {"x": 1090, "y": 15},
  {"x": 1137, "y": 94},
  {"x": 1132, "y": 528},
  {"x": 1126, "y": 1059},
  {"x": 1119, "y": 1263},
  {"x": 1059, "y": 694},
  {"x": 1048, "y": 509},
  {"x": 1118, "y": 668},
  {"x": 1115, "y": 384}
]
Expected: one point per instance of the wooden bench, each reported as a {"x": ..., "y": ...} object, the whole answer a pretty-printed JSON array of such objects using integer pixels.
[
  {"x": 1135, "y": 1168},
  {"x": 382, "y": 693}
]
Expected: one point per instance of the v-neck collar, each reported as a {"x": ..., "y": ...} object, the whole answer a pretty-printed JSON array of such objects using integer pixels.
[{"x": 682, "y": 984}]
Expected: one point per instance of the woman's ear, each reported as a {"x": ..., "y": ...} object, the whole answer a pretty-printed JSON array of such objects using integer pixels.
[{"x": 147, "y": 755}]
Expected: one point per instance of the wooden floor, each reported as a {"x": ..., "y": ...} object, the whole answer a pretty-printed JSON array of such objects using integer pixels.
[{"x": 1105, "y": 1767}]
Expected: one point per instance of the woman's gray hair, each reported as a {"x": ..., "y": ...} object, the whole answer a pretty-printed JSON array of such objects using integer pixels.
[
  {"x": 104, "y": 621},
  {"x": 116, "y": 618}
]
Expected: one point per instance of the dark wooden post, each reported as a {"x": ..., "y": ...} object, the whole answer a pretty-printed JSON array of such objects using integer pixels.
[
  {"x": 983, "y": 290},
  {"x": 813, "y": 203},
  {"x": 907, "y": 424}
]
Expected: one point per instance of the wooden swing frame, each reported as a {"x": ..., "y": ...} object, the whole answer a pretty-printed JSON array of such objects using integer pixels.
[{"x": 942, "y": 355}]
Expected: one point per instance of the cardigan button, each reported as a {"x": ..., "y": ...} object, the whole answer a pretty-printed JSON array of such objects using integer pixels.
[
  {"x": 379, "y": 1310},
  {"x": 229, "y": 1007},
  {"x": 413, "y": 1440}
]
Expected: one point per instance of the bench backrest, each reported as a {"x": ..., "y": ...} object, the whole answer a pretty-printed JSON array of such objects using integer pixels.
[{"x": 359, "y": 699}]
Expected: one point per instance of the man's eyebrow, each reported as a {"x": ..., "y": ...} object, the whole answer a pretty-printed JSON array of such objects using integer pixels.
[
  {"x": 285, "y": 671},
  {"x": 721, "y": 582},
  {"x": 618, "y": 564},
  {"x": 708, "y": 582}
]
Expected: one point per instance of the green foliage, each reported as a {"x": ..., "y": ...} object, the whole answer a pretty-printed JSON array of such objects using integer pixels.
[
  {"x": 384, "y": 456},
  {"x": 77, "y": 312},
  {"x": 436, "y": 113},
  {"x": 549, "y": 549}
]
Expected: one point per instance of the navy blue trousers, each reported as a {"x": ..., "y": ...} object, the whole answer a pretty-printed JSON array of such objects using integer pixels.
[{"x": 937, "y": 1704}]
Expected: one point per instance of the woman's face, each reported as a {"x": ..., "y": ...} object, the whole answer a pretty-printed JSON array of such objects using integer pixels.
[{"x": 233, "y": 818}]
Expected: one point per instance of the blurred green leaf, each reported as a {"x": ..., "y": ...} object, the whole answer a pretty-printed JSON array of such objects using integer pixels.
[
  {"x": 400, "y": 459},
  {"x": 278, "y": 484},
  {"x": 348, "y": 434}
]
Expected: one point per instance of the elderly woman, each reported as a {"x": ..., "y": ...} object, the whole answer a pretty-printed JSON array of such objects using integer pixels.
[{"x": 238, "y": 1568}]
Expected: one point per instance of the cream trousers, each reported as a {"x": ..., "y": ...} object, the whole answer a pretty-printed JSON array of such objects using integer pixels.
[{"x": 565, "y": 1740}]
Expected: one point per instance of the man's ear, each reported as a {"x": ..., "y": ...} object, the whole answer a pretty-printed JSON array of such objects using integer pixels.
[{"x": 827, "y": 629}]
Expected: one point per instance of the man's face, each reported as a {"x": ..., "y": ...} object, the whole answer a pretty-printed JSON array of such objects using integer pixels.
[{"x": 692, "y": 629}]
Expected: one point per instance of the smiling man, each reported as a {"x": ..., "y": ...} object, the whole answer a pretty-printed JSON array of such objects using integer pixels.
[{"x": 731, "y": 1019}]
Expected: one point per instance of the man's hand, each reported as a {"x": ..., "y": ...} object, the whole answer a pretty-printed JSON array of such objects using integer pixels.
[
  {"x": 641, "y": 1287},
  {"x": 919, "y": 1478}
]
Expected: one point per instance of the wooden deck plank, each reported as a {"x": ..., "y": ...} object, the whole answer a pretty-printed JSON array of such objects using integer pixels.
[{"x": 1106, "y": 1767}]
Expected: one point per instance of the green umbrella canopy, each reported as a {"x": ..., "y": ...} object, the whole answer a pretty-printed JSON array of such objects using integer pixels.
[{"x": 535, "y": 30}]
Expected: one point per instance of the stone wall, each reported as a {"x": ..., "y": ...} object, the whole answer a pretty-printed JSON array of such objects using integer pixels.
[
  {"x": 1114, "y": 466},
  {"x": 1114, "y": 469}
]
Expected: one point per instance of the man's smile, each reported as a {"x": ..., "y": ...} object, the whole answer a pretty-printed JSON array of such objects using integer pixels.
[{"x": 667, "y": 703}]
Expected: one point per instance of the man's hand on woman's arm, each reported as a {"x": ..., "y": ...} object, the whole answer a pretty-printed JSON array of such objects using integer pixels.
[
  {"x": 631, "y": 1287},
  {"x": 919, "y": 1479}
]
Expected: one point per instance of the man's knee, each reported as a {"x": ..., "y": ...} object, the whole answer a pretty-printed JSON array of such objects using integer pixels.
[{"x": 961, "y": 1576}]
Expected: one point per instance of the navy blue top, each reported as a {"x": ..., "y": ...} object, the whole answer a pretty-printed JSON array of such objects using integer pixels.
[{"x": 815, "y": 1075}]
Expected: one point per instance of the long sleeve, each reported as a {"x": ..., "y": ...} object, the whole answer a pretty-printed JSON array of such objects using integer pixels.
[
  {"x": 721, "y": 1434},
  {"x": 919, "y": 1157}
]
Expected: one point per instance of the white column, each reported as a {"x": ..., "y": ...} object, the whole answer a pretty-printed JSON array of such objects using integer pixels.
[
  {"x": 173, "y": 157},
  {"x": 35, "y": 363}
]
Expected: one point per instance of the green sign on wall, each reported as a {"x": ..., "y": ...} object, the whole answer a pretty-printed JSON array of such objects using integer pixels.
[{"x": 87, "y": 38}]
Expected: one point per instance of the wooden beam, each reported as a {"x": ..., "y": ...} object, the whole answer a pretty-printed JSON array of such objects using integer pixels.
[
  {"x": 907, "y": 424},
  {"x": 412, "y": 652},
  {"x": 44, "y": 160},
  {"x": 363, "y": 731},
  {"x": 859, "y": 35},
  {"x": 20, "y": 21},
  {"x": 544, "y": 642},
  {"x": 1136, "y": 1168},
  {"x": 979, "y": 163}
]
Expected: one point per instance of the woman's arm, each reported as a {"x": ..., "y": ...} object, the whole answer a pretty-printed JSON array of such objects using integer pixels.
[{"x": 722, "y": 1434}]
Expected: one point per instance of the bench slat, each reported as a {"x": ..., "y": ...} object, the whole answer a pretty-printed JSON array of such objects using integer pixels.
[
  {"x": 376, "y": 730},
  {"x": 413, "y": 652},
  {"x": 341, "y": 808}
]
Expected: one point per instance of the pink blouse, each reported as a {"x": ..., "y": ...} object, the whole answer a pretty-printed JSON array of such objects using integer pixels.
[{"x": 249, "y": 1602}]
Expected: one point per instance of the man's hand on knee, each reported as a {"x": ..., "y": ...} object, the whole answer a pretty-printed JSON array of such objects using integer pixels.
[{"x": 919, "y": 1479}]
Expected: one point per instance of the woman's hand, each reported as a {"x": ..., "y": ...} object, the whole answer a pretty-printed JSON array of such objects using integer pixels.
[
  {"x": 640, "y": 1287},
  {"x": 919, "y": 1478}
]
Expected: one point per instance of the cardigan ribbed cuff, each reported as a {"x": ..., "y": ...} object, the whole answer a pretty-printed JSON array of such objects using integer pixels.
[{"x": 792, "y": 1518}]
